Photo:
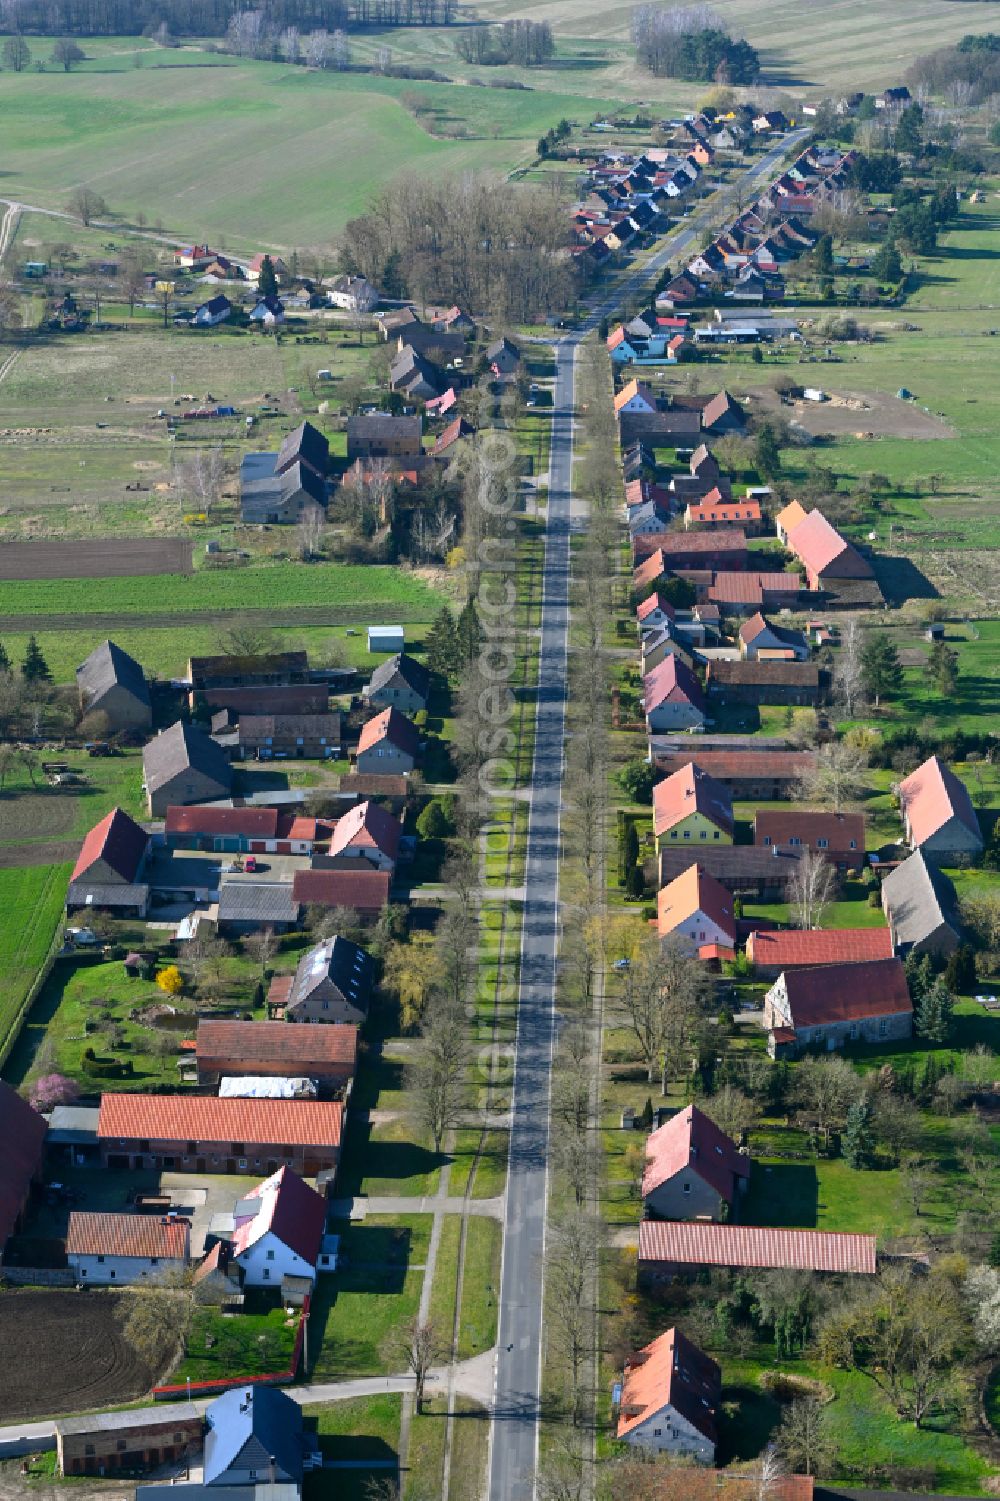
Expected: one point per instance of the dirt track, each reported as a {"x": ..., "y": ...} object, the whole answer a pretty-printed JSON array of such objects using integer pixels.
[
  {"x": 875, "y": 415},
  {"x": 101, "y": 557}
]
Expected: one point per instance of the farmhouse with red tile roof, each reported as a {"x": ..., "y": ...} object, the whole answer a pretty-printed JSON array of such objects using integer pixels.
[
  {"x": 364, "y": 891},
  {"x": 102, "y": 1249},
  {"x": 698, "y": 910},
  {"x": 724, "y": 549},
  {"x": 773, "y": 951},
  {"x": 670, "y": 1392},
  {"x": 839, "y": 836},
  {"x": 388, "y": 743},
  {"x": 831, "y": 563},
  {"x": 938, "y": 815},
  {"x": 276, "y": 1050},
  {"x": 692, "y": 1169},
  {"x": 369, "y": 831},
  {"x": 672, "y": 697},
  {"x": 202, "y": 1134},
  {"x": 691, "y": 806},
  {"x": 837, "y": 1003},
  {"x": 278, "y": 1230},
  {"x": 109, "y": 867}
]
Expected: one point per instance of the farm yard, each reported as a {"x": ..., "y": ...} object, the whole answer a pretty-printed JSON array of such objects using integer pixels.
[{"x": 70, "y": 1354}]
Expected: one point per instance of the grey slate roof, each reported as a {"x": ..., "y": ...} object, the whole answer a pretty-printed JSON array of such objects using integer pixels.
[
  {"x": 85, "y": 894},
  {"x": 339, "y": 961},
  {"x": 109, "y": 667},
  {"x": 366, "y": 428},
  {"x": 919, "y": 898},
  {"x": 413, "y": 673},
  {"x": 180, "y": 747},
  {"x": 250, "y": 1427},
  {"x": 305, "y": 445},
  {"x": 261, "y": 902},
  {"x": 122, "y": 1422}
]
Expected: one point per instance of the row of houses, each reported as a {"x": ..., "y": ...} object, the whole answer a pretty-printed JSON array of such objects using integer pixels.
[
  {"x": 627, "y": 197},
  {"x": 745, "y": 262}
]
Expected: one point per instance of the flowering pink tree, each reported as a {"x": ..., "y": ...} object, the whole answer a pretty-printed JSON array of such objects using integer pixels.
[{"x": 53, "y": 1089}]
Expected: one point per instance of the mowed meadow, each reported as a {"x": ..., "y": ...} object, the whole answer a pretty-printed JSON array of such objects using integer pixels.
[{"x": 251, "y": 154}]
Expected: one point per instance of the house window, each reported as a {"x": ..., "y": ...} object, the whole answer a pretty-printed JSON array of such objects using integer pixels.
[
  {"x": 88, "y": 1448},
  {"x": 685, "y": 1188},
  {"x": 237, "y": 1148},
  {"x": 154, "y": 1261},
  {"x": 267, "y": 1274},
  {"x": 687, "y": 833},
  {"x": 793, "y": 840},
  {"x": 767, "y": 839},
  {"x": 83, "y": 1271},
  {"x": 657, "y": 1432},
  {"x": 883, "y": 1027},
  {"x": 854, "y": 844},
  {"x": 120, "y": 1445},
  {"x": 704, "y": 834},
  {"x": 716, "y": 834},
  {"x": 192, "y": 1148},
  {"x": 112, "y": 1275},
  {"x": 100, "y": 1260},
  {"x": 854, "y": 1030},
  {"x": 270, "y": 1255},
  {"x": 822, "y": 844},
  {"x": 242, "y": 1162},
  {"x": 268, "y": 740}
]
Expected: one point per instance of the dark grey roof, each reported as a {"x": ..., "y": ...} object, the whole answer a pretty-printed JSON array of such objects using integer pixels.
[
  {"x": 110, "y": 667},
  {"x": 382, "y": 427},
  {"x": 338, "y": 961},
  {"x": 250, "y": 1427},
  {"x": 307, "y": 445},
  {"x": 265, "y": 489},
  {"x": 499, "y": 345},
  {"x": 122, "y": 1422},
  {"x": 257, "y": 901},
  {"x": 86, "y": 894},
  {"x": 173, "y": 751},
  {"x": 413, "y": 673},
  {"x": 919, "y": 898}
]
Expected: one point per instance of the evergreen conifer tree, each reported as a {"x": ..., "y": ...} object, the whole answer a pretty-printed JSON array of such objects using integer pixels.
[{"x": 34, "y": 668}]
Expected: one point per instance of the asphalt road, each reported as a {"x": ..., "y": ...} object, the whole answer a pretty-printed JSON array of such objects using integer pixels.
[{"x": 515, "y": 1426}]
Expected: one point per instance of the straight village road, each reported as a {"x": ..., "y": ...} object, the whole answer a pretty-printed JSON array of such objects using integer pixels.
[{"x": 514, "y": 1429}]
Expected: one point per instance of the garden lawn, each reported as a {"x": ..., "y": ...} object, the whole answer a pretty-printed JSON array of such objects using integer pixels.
[
  {"x": 356, "y": 1314},
  {"x": 863, "y": 1426},
  {"x": 31, "y": 902},
  {"x": 250, "y": 1343},
  {"x": 359, "y": 1428}
]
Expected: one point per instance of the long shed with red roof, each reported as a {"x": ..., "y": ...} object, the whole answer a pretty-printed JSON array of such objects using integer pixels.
[
  {"x": 667, "y": 1247},
  {"x": 202, "y": 1134}
]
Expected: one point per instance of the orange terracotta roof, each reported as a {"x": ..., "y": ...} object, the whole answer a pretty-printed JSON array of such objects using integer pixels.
[
  {"x": 696, "y": 1243},
  {"x": 670, "y": 1372},
  {"x": 933, "y": 795},
  {"x": 655, "y": 602},
  {"x": 690, "y": 1139},
  {"x": 252, "y": 823},
  {"x": 789, "y": 518},
  {"x": 724, "y": 510},
  {"x": 691, "y": 790},
  {"x": 695, "y": 891},
  {"x": 390, "y": 725},
  {"x": 204, "y": 1118},
  {"x": 807, "y": 947},
  {"x": 140, "y": 1235}
]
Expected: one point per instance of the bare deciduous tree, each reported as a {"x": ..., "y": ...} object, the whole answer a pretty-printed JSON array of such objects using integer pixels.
[
  {"x": 438, "y": 1074},
  {"x": 571, "y": 1260},
  {"x": 836, "y": 778},
  {"x": 848, "y": 677},
  {"x": 813, "y": 887},
  {"x": 419, "y": 1345},
  {"x": 310, "y": 531},
  {"x": 199, "y": 477},
  {"x": 86, "y": 205}
]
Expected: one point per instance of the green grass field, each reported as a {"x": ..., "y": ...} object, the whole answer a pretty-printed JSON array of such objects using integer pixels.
[
  {"x": 253, "y": 154},
  {"x": 32, "y": 903},
  {"x": 213, "y": 592}
]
